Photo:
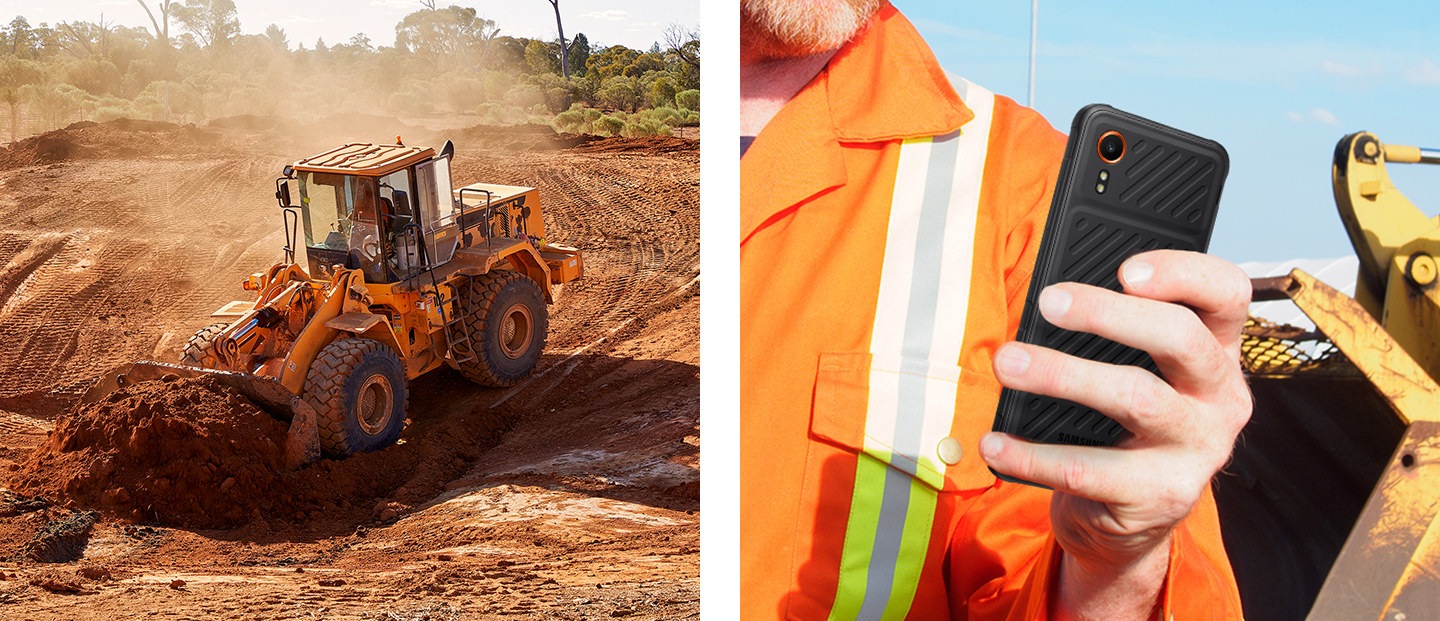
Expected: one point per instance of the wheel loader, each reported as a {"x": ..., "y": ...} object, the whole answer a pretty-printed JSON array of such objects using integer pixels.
[
  {"x": 401, "y": 275},
  {"x": 1328, "y": 508}
]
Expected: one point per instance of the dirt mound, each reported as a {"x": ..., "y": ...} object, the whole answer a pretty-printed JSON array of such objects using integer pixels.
[
  {"x": 118, "y": 138},
  {"x": 183, "y": 452},
  {"x": 645, "y": 144},
  {"x": 192, "y": 453}
]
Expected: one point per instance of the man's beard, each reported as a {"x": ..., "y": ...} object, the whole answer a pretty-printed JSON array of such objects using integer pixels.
[{"x": 790, "y": 28}]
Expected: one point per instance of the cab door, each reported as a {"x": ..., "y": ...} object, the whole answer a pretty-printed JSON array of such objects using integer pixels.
[{"x": 437, "y": 209}]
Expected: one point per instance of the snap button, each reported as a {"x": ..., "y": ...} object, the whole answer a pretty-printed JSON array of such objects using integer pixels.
[{"x": 950, "y": 451}]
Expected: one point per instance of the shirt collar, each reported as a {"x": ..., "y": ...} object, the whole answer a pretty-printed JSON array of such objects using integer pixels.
[
  {"x": 917, "y": 98},
  {"x": 883, "y": 85}
]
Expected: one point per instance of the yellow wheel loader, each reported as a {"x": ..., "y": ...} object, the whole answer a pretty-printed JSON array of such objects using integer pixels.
[
  {"x": 1329, "y": 507},
  {"x": 401, "y": 274}
]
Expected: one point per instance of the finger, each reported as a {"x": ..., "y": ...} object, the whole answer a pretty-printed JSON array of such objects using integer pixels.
[
  {"x": 1105, "y": 475},
  {"x": 1134, "y": 397},
  {"x": 1217, "y": 289},
  {"x": 1184, "y": 348}
]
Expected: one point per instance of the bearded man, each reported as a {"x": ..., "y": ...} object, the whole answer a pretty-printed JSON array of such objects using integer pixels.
[{"x": 890, "y": 217}]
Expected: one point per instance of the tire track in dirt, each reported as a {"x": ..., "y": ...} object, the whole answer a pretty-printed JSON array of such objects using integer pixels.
[
  {"x": 19, "y": 423},
  {"x": 50, "y": 323},
  {"x": 633, "y": 217},
  {"x": 24, "y": 263}
]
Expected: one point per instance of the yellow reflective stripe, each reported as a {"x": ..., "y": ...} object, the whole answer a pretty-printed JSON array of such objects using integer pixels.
[{"x": 859, "y": 537}]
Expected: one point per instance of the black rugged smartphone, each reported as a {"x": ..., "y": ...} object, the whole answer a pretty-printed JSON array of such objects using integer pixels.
[{"x": 1127, "y": 185}]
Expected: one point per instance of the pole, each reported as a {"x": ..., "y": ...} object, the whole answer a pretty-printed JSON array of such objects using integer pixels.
[{"x": 1034, "y": 18}]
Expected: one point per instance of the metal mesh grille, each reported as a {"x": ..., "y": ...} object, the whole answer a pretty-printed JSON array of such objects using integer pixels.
[{"x": 1268, "y": 348}]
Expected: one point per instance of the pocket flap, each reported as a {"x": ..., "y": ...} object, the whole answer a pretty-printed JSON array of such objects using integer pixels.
[{"x": 920, "y": 417}]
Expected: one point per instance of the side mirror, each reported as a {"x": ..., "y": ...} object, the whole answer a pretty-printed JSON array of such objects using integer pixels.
[{"x": 282, "y": 192}]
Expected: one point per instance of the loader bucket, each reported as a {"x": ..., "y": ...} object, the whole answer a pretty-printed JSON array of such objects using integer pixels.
[
  {"x": 302, "y": 442},
  {"x": 265, "y": 392},
  {"x": 1329, "y": 507},
  {"x": 1302, "y": 470}
]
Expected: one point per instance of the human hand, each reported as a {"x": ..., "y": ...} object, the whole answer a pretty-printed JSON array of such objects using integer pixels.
[{"x": 1114, "y": 508}]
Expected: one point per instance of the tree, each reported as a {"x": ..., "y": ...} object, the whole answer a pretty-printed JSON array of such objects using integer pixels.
[
  {"x": 579, "y": 53},
  {"x": 162, "y": 27},
  {"x": 610, "y": 62},
  {"x": 662, "y": 92},
  {"x": 276, "y": 35},
  {"x": 16, "y": 74},
  {"x": 688, "y": 100},
  {"x": 453, "y": 36},
  {"x": 20, "y": 38},
  {"x": 213, "y": 22},
  {"x": 618, "y": 93},
  {"x": 538, "y": 57},
  {"x": 564, "y": 54},
  {"x": 162, "y": 34},
  {"x": 684, "y": 43}
]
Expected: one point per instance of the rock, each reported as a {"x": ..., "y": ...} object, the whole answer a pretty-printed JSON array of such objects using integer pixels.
[
  {"x": 57, "y": 584},
  {"x": 98, "y": 574}
]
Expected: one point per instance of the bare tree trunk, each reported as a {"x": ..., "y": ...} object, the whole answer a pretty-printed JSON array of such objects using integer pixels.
[
  {"x": 162, "y": 31},
  {"x": 564, "y": 49},
  {"x": 14, "y": 119}
]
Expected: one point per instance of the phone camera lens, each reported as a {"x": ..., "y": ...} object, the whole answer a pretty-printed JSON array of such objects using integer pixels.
[{"x": 1111, "y": 147}]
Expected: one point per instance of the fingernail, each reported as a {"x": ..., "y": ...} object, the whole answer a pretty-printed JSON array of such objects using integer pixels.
[
  {"x": 990, "y": 445},
  {"x": 1054, "y": 303},
  {"x": 1012, "y": 360},
  {"x": 1136, "y": 273}
]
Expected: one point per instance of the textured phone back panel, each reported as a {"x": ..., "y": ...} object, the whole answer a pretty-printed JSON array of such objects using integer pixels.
[{"x": 1162, "y": 193}]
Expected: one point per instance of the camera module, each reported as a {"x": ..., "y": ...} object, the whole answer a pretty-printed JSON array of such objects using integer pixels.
[{"x": 1111, "y": 147}]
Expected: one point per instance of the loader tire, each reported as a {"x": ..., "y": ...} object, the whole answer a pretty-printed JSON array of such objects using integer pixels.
[
  {"x": 199, "y": 351},
  {"x": 357, "y": 387},
  {"x": 507, "y": 320}
]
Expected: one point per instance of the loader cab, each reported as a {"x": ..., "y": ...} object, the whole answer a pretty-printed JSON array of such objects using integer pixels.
[{"x": 374, "y": 208}]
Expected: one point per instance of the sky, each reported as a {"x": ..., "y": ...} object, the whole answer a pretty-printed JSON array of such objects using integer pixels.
[
  {"x": 1277, "y": 83},
  {"x": 636, "y": 23}
]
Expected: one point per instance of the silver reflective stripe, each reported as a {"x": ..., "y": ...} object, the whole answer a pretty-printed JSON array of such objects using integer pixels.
[{"x": 916, "y": 340}]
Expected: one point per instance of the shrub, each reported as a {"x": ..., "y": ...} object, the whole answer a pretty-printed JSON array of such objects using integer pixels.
[
  {"x": 609, "y": 126},
  {"x": 688, "y": 100}
]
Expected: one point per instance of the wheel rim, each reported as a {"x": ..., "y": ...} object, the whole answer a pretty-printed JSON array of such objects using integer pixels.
[
  {"x": 515, "y": 331},
  {"x": 374, "y": 405}
]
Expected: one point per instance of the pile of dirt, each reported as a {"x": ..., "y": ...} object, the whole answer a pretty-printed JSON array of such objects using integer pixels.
[
  {"x": 645, "y": 144},
  {"x": 192, "y": 453},
  {"x": 183, "y": 452},
  {"x": 117, "y": 138}
]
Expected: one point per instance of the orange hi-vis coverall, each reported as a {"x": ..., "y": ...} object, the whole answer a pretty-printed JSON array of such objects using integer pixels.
[{"x": 888, "y": 229}]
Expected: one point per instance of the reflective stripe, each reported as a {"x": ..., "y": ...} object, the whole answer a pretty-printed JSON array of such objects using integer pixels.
[{"x": 915, "y": 347}]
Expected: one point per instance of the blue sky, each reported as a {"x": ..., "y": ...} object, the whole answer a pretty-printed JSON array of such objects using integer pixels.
[{"x": 1277, "y": 83}]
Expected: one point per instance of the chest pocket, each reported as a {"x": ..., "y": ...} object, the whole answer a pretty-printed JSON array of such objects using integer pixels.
[{"x": 921, "y": 417}]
